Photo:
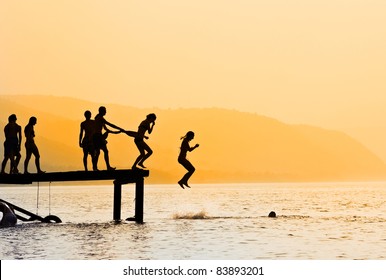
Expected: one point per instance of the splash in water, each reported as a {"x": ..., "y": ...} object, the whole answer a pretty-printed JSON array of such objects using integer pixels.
[{"x": 191, "y": 216}]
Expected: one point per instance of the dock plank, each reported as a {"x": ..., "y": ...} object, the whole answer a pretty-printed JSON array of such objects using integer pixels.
[{"x": 125, "y": 176}]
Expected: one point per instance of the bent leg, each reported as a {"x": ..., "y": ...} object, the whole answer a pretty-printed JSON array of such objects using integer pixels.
[
  {"x": 141, "y": 150},
  {"x": 188, "y": 166},
  {"x": 146, "y": 155}
]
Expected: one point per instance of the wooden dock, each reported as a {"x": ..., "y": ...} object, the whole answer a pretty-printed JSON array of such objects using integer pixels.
[{"x": 119, "y": 177}]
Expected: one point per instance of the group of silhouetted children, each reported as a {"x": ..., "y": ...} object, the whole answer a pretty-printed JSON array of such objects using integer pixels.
[
  {"x": 92, "y": 139},
  {"x": 93, "y": 135},
  {"x": 12, "y": 144}
]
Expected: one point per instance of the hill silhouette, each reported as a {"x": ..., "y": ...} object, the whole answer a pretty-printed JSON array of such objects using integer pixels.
[{"x": 234, "y": 146}]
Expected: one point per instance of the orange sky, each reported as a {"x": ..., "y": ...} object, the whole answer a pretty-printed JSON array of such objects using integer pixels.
[{"x": 301, "y": 61}]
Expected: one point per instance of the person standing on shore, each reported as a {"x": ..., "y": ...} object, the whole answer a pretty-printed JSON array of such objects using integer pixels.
[{"x": 185, "y": 148}]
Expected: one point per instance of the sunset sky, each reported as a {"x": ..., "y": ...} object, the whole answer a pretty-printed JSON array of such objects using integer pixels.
[{"x": 301, "y": 61}]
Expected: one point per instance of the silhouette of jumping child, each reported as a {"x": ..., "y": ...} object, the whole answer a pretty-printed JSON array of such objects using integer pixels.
[
  {"x": 145, "y": 151},
  {"x": 30, "y": 146},
  {"x": 12, "y": 145},
  {"x": 185, "y": 148},
  {"x": 99, "y": 139},
  {"x": 87, "y": 130}
]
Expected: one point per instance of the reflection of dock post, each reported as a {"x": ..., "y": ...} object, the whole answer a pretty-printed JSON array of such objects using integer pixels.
[
  {"x": 139, "y": 198},
  {"x": 117, "y": 200}
]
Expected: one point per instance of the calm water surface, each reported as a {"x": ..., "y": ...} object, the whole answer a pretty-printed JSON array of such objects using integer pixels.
[{"x": 315, "y": 221}]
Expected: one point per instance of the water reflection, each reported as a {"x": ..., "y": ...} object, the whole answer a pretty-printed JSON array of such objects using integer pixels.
[{"x": 208, "y": 222}]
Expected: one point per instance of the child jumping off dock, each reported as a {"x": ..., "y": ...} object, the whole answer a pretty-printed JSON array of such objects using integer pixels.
[
  {"x": 145, "y": 151},
  {"x": 185, "y": 148}
]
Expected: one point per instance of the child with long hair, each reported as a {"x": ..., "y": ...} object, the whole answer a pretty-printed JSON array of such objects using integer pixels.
[
  {"x": 185, "y": 148},
  {"x": 30, "y": 146},
  {"x": 145, "y": 151}
]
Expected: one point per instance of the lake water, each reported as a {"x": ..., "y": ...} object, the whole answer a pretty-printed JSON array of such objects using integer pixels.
[{"x": 322, "y": 221}]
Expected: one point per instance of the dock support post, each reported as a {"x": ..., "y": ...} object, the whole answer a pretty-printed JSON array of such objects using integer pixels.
[
  {"x": 139, "y": 198},
  {"x": 117, "y": 200}
]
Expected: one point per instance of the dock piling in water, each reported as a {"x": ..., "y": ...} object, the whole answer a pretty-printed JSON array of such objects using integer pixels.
[{"x": 117, "y": 200}]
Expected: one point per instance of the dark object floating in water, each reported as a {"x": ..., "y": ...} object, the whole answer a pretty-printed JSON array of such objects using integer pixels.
[
  {"x": 52, "y": 219},
  {"x": 21, "y": 214},
  {"x": 272, "y": 214}
]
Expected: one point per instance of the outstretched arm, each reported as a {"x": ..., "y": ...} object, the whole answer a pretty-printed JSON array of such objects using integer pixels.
[
  {"x": 114, "y": 132},
  {"x": 113, "y": 126}
]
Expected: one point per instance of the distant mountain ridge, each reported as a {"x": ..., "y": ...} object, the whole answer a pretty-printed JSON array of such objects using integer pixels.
[{"x": 234, "y": 146}]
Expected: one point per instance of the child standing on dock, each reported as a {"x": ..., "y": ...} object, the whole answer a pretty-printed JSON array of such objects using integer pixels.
[
  {"x": 87, "y": 129},
  {"x": 12, "y": 145},
  {"x": 30, "y": 146},
  {"x": 99, "y": 139},
  {"x": 145, "y": 151},
  {"x": 185, "y": 148}
]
